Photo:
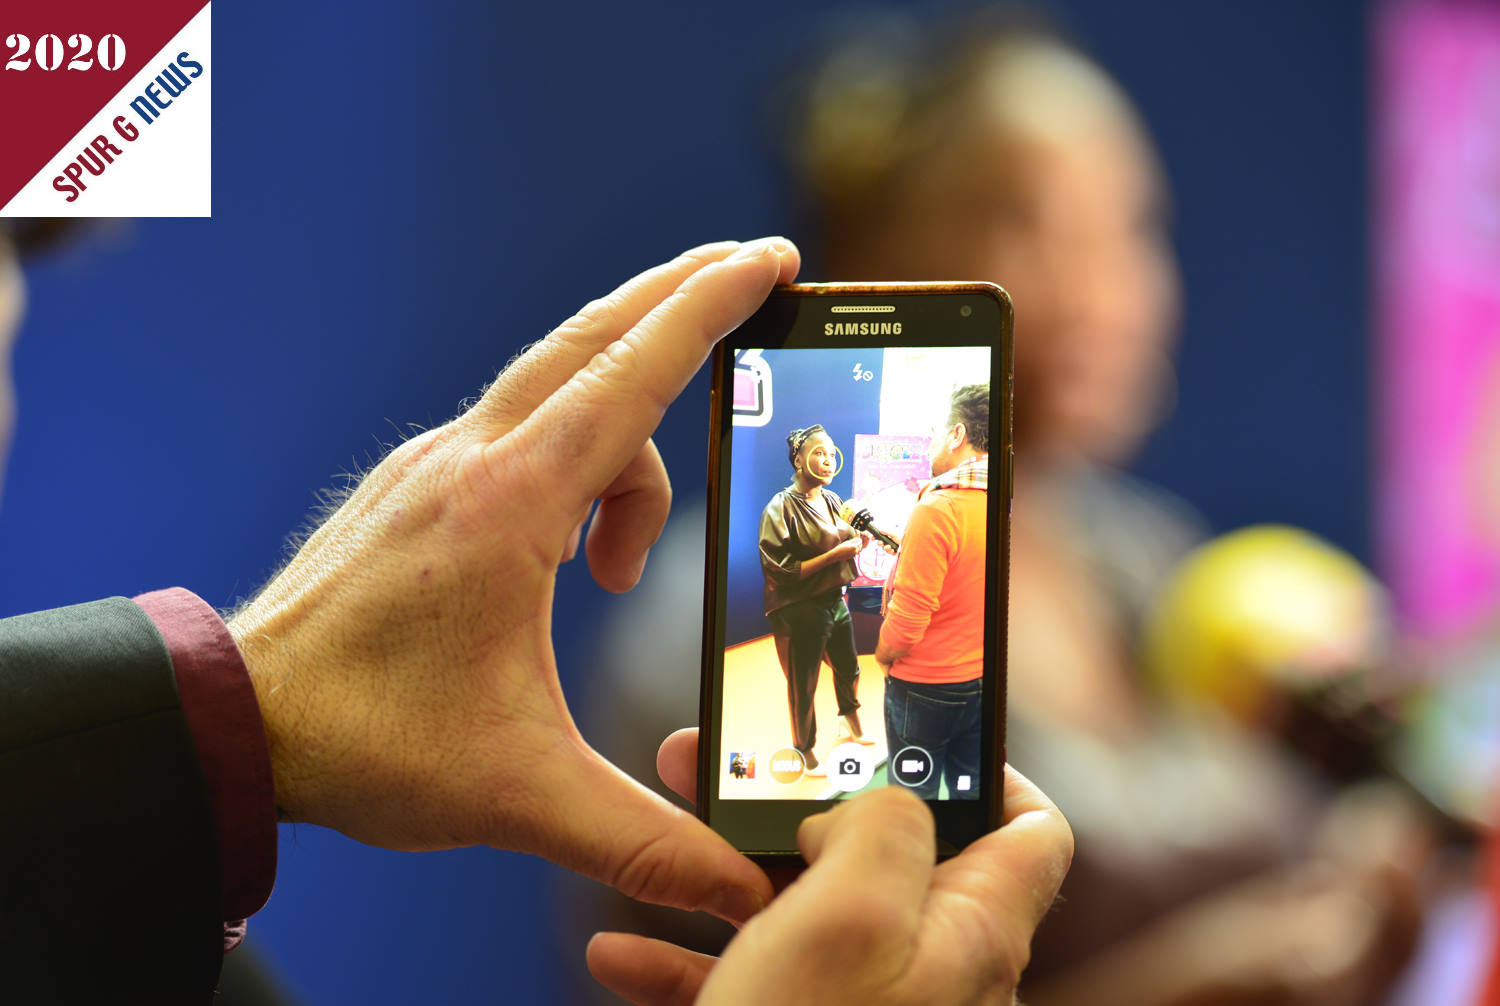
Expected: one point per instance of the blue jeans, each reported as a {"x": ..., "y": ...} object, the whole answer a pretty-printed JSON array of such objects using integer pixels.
[{"x": 943, "y": 720}]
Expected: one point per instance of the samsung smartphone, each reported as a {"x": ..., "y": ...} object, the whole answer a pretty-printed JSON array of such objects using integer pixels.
[{"x": 860, "y": 467}]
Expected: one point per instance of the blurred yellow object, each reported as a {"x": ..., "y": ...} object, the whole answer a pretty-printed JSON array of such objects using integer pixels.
[{"x": 1261, "y": 609}]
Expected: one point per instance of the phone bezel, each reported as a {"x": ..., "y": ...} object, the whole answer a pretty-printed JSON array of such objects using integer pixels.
[{"x": 793, "y": 317}]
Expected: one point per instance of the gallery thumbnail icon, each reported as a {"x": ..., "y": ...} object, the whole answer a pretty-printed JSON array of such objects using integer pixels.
[{"x": 742, "y": 764}]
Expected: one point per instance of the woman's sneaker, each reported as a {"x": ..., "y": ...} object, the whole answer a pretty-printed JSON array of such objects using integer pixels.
[{"x": 812, "y": 766}]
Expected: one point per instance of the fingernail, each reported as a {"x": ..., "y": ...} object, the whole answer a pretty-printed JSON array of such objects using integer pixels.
[
  {"x": 753, "y": 250},
  {"x": 777, "y": 243},
  {"x": 736, "y": 904}
]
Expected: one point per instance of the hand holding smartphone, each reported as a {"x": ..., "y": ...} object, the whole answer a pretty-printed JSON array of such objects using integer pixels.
[{"x": 854, "y": 631}]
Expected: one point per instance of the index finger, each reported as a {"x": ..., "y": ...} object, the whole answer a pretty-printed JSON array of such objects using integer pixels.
[
  {"x": 544, "y": 367},
  {"x": 577, "y": 441}
]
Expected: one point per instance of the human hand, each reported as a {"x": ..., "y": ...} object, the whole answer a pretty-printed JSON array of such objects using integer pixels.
[
  {"x": 871, "y": 920},
  {"x": 847, "y": 549},
  {"x": 403, "y": 659}
]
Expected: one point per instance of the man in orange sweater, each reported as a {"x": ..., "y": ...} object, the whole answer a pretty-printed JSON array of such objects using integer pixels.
[{"x": 932, "y": 640}]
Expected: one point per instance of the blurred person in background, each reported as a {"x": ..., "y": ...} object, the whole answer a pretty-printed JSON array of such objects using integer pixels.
[
  {"x": 995, "y": 149},
  {"x": 999, "y": 151}
]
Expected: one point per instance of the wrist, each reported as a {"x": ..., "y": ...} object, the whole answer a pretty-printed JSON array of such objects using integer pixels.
[
  {"x": 264, "y": 656},
  {"x": 223, "y": 717}
]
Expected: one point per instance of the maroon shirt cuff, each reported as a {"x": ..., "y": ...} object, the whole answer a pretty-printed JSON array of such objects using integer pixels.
[{"x": 224, "y": 720}]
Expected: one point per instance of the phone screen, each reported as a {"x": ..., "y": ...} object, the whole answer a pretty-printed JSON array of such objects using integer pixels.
[{"x": 857, "y": 607}]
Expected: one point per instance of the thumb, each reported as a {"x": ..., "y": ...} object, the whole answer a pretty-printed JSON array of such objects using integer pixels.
[
  {"x": 607, "y": 826},
  {"x": 647, "y": 972}
]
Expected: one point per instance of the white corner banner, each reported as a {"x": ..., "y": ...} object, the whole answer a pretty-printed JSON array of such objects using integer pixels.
[{"x": 148, "y": 150}]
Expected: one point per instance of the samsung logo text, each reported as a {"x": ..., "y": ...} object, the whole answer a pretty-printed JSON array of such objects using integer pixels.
[{"x": 862, "y": 328}]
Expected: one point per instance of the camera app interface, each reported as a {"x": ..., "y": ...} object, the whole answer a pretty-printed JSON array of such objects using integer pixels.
[{"x": 855, "y": 617}]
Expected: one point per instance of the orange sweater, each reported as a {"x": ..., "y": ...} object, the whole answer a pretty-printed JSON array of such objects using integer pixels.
[{"x": 936, "y": 607}]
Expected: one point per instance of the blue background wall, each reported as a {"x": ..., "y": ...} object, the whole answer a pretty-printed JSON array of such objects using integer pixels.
[{"x": 403, "y": 200}]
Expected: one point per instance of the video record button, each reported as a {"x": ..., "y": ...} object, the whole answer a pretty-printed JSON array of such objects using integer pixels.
[{"x": 912, "y": 766}]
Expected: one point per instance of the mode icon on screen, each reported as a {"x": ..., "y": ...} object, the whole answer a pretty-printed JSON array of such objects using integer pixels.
[{"x": 912, "y": 766}]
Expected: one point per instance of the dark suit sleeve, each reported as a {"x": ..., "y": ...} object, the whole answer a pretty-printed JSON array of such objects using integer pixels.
[{"x": 109, "y": 873}]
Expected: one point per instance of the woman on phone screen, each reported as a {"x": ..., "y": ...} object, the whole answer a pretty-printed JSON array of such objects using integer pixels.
[{"x": 807, "y": 557}]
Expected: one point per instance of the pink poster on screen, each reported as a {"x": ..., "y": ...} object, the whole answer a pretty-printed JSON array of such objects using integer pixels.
[
  {"x": 1437, "y": 312},
  {"x": 888, "y": 473}
]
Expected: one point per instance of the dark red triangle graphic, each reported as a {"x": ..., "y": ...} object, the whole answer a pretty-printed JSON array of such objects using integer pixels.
[{"x": 40, "y": 110}]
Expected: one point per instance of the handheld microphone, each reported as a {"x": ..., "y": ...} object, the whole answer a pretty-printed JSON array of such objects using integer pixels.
[{"x": 861, "y": 520}]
